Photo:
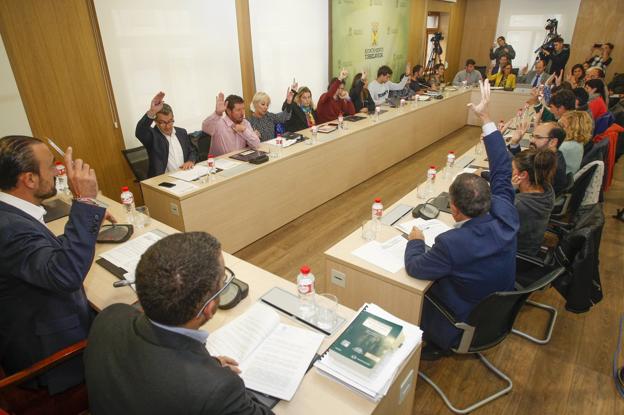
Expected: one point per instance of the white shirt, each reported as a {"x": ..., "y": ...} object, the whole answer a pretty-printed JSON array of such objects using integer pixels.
[
  {"x": 379, "y": 92},
  {"x": 35, "y": 211},
  {"x": 176, "y": 156}
]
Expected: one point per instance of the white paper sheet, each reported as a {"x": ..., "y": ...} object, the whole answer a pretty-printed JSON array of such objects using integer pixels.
[
  {"x": 388, "y": 255},
  {"x": 181, "y": 187},
  {"x": 192, "y": 174},
  {"x": 285, "y": 143},
  {"x": 225, "y": 164},
  {"x": 430, "y": 228},
  {"x": 128, "y": 254}
]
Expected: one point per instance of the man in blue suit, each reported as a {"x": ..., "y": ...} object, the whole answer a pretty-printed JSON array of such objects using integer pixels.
[
  {"x": 169, "y": 148},
  {"x": 43, "y": 307},
  {"x": 476, "y": 258}
]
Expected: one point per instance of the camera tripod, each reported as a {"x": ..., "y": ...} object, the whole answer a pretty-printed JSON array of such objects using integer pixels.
[{"x": 434, "y": 59}]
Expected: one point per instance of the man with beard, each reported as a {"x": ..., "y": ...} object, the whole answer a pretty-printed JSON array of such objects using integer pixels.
[
  {"x": 44, "y": 307},
  {"x": 232, "y": 132},
  {"x": 549, "y": 136}
]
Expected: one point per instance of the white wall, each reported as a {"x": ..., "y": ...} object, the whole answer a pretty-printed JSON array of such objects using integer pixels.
[
  {"x": 188, "y": 49},
  {"x": 14, "y": 121},
  {"x": 522, "y": 23},
  {"x": 289, "y": 40}
]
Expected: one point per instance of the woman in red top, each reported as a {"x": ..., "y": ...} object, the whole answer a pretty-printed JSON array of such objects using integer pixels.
[
  {"x": 597, "y": 99},
  {"x": 335, "y": 101}
]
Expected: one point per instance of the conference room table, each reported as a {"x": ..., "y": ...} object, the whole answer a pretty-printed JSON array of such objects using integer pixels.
[
  {"x": 353, "y": 280},
  {"x": 317, "y": 393},
  {"x": 247, "y": 202}
]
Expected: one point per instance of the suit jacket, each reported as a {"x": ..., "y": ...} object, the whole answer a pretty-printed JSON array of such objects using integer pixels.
[
  {"x": 473, "y": 261},
  {"x": 157, "y": 145},
  {"x": 298, "y": 120},
  {"x": 43, "y": 306},
  {"x": 135, "y": 367},
  {"x": 529, "y": 78}
]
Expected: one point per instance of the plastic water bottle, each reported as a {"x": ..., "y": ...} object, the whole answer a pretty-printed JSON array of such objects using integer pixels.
[
  {"x": 450, "y": 164},
  {"x": 377, "y": 113},
  {"x": 402, "y": 102},
  {"x": 279, "y": 143},
  {"x": 127, "y": 200},
  {"x": 314, "y": 136},
  {"x": 341, "y": 121},
  {"x": 376, "y": 214},
  {"x": 61, "y": 179},
  {"x": 431, "y": 175},
  {"x": 305, "y": 288}
]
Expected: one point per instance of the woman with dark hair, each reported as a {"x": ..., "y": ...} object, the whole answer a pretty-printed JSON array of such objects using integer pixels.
[
  {"x": 359, "y": 94},
  {"x": 532, "y": 174},
  {"x": 577, "y": 76},
  {"x": 597, "y": 97}
]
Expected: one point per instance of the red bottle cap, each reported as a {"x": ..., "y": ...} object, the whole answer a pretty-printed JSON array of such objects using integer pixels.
[
  {"x": 58, "y": 163},
  {"x": 210, "y": 156},
  {"x": 377, "y": 200},
  {"x": 124, "y": 189},
  {"x": 432, "y": 167},
  {"x": 305, "y": 269},
  {"x": 451, "y": 152}
]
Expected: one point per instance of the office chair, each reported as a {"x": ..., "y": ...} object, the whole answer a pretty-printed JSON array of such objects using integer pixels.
[
  {"x": 580, "y": 194},
  {"x": 138, "y": 161},
  {"x": 22, "y": 401},
  {"x": 201, "y": 141},
  {"x": 515, "y": 71},
  {"x": 483, "y": 71},
  {"x": 488, "y": 325}
]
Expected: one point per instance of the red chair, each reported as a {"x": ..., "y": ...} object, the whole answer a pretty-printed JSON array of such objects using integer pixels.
[
  {"x": 610, "y": 134},
  {"x": 15, "y": 400}
]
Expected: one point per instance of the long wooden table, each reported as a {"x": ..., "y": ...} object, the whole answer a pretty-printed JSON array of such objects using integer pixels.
[
  {"x": 242, "y": 208},
  {"x": 316, "y": 394}
]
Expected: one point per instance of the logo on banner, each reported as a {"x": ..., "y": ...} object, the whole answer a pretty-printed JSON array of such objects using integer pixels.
[
  {"x": 374, "y": 33},
  {"x": 374, "y": 51}
]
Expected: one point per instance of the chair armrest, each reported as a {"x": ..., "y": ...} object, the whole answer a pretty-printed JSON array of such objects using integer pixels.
[
  {"x": 443, "y": 310},
  {"x": 43, "y": 365},
  {"x": 530, "y": 259}
]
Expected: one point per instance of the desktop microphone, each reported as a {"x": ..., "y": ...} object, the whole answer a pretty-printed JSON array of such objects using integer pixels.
[{"x": 122, "y": 283}]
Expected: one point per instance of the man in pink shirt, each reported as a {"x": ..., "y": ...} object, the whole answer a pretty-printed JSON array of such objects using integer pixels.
[{"x": 232, "y": 132}]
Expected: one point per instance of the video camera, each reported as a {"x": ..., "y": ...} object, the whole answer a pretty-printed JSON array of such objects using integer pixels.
[
  {"x": 437, "y": 37},
  {"x": 551, "y": 25}
]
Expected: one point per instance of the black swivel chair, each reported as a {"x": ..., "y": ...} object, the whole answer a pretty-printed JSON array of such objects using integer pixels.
[
  {"x": 201, "y": 141},
  {"x": 138, "y": 161},
  {"x": 483, "y": 71},
  {"x": 488, "y": 324},
  {"x": 567, "y": 204}
]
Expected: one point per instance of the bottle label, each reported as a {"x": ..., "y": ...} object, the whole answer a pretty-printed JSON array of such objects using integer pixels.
[
  {"x": 60, "y": 170},
  {"x": 305, "y": 287},
  {"x": 378, "y": 212}
]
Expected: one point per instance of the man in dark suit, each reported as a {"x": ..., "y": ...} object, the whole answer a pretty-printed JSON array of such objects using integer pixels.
[
  {"x": 476, "y": 258},
  {"x": 157, "y": 362},
  {"x": 169, "y": 148},
  {"x": 43, "y": 307}
]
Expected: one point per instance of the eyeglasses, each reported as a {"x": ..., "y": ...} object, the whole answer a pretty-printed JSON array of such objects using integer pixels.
[
  {"x": 540, "y": 137},
  {"x": 227, "y": 280},
  {"x": 162, "y": 122}
]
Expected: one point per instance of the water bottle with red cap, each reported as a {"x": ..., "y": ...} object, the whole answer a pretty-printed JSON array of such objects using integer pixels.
[
  {"x": 62, "y": 187},
  {"x": 305, "y": 288},
  {"x": 127, "y": 200},
  {"x": 376, "y": 214},
  {"x": 450, "y": 164},
  {"x": 431, "y": 175}
]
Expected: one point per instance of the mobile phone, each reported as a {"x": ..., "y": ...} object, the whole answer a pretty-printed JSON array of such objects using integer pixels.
[{"x": 166, "y": 184}]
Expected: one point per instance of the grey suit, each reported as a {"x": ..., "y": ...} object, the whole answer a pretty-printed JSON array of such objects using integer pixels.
[
  {"x": 529, "y": 78},
  {"x": 135, "y": 367}
]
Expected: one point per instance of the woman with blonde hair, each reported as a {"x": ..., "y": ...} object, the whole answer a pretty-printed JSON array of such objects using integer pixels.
[
  {"x": 579, "y": 127},
  {"x": 303, "y": 111},
  {"x": 263, "y": 121}
]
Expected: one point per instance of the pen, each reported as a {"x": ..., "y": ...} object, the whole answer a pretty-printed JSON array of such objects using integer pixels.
[
  {"x": 55, "y": 147},
  {"x": 296, "y": 317}
]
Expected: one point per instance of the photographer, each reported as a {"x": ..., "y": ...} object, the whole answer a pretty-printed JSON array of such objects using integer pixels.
[
  {"x": 503, "y": 49},
  {"x": 556, "y": 54},
  {"x": 600, "y": 56}
]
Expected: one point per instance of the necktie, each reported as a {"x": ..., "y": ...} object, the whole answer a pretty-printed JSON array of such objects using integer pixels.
[{"x": 537, "y": 77}]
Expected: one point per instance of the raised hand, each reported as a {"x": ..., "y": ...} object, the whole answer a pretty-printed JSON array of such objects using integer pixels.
[
  {"x": 80, "y": 176},
  {"x": 290, "y": 95},
  {"x": 408, "y": 68},
  {"x": 537, "y": 118},
  {"x": 521, "y": 129},
  {"x": 363, "y": 75},
  {"x": 156, "y": 104},
  {"x": 525, "y": 70},
  {"x": 220, "y": 105},
  {"x": 343, "y": 74},
  {"x": 482, "y": 108},
  {"x": 295, "y": 86}
]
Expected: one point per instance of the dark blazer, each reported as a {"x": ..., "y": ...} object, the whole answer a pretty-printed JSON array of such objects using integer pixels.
[
  {"x": 298, "y": 120},
  {"x": 158, "y": 148},
  {"x": 358, "y": 103},
  {"x": 473, "y": 261},
  {"x": 43, "y": 306},
  {"x": 135, "y": 367}
]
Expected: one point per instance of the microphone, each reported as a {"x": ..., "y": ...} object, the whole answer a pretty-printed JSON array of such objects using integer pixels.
[{"x": 122, "y": 283}]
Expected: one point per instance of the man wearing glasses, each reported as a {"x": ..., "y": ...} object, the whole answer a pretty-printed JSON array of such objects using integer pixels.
[
  {"x": 157, "y": 362},
  {"x": 546, "y": 135},
  {"x": 169, "y": 148}
]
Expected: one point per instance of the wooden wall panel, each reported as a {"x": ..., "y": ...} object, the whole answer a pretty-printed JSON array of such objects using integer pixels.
[
  {"x": 243, "y": 23},
  {"x": 455, "y": 32},
  {"x": 63, "y": 82},
  {"x": 418, "y": 29},
  {"x": 479, "y": 30},
  {"x": 599, "y": 21}
]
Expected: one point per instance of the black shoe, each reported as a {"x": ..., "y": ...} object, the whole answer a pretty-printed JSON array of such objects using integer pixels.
[{"x": 431, "y": 352}]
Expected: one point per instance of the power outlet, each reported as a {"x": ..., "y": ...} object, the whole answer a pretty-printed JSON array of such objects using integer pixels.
[
  {"x": 174, "y": 209},
  {"x": 406, "y": 386},
  {"x": 338, "y": 278}
]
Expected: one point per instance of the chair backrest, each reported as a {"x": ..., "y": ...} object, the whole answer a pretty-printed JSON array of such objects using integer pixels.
[
  {"x": 515, "y": 71},
  {"x": 598, "y": 152},
  {"x": 201, "y": 141},
  {"x": 494, "y": 317},
  {"x": 138, "y": 161},
  {"x": 481, "y": 69},
  {"x": 603, "y": 122}
]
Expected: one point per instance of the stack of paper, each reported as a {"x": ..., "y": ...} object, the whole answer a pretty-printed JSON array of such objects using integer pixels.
[
  {"x": 273, "y": 357},
  {"x": 430, "y": 228},
  {"x": 388, "y": 255},
  {"x": 191, "y": 174},
  {"x": 376, "y": 385}
]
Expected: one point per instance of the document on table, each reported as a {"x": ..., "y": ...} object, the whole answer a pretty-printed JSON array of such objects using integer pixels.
[
  {"x": 225, "y": 163},
  {"x": 128, "y": 254},
  {"x": 430, "y": 228},
  {"x": 285, "y": 143},
  {"x": 180, "y": 187},
  {"x": 465, "y": 170},
  {"x": 191, "y": 174},
  {"x": 273, "y": 357},
  {"x": 387, "y": 255}
]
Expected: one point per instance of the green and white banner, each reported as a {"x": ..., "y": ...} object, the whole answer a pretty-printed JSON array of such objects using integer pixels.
[{"x": 369, "y": 33}]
